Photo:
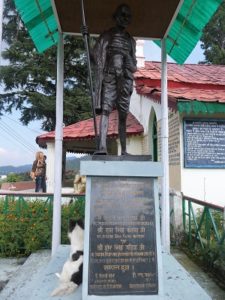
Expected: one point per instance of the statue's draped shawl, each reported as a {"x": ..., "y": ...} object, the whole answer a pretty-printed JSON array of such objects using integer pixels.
[{"x": 99, "y": 56}]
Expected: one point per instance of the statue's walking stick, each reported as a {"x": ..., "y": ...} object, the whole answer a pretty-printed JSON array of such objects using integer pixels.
[{"x": 85, "y": 35}]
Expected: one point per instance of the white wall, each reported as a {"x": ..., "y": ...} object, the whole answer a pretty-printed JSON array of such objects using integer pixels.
[
  {"x": 204, "y": 184},
  {"x": 134, "y": 145},
  {"x": 141, "y": 107}
]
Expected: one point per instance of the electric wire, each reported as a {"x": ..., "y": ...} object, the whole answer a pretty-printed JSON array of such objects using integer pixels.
[
  {"x": 15, "y": 141},
  {"x": 11, "y": 132},
  {"x": 31, "y": 129},
  {"x": 17, "y": 136}
]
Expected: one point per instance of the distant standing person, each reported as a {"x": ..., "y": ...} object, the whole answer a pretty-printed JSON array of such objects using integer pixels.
[{"x": 39, "y": 171}]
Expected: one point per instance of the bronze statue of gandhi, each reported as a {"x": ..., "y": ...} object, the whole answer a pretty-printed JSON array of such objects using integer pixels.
[{"x": 114, "y": 59}]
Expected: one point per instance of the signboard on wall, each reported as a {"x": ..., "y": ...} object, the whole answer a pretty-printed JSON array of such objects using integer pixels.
[{"x": 204, "y": 143}]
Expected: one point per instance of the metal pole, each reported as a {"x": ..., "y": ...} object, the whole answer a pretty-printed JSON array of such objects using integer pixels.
[
  {"x": 89, "y": 73},
  {"x": 56, "y": 226},
  {"x": 1, "y": 23},
  {"x": 165, "y": 205},
  {"x": 224, "y": 218}
]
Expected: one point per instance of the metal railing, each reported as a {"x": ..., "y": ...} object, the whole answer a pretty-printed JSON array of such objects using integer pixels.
[
  {"x": 203, "y": 222},
  {"x": 21, "y": 200}
]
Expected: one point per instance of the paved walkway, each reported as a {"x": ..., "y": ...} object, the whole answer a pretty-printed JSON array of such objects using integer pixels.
[
  {"x": 35, "y": 279},
  {"x": 203, "y": 279},
  {"x": 19, "y": 274},
  {"x": 8, "y": 266}
]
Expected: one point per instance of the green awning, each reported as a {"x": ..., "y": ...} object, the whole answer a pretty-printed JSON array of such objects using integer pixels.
[
  {"x": 197, "y": 107},
  {"x": 185, "y": 32},
  {"x": 187, "y": 28},
  {"x": 39, "y": 19}
]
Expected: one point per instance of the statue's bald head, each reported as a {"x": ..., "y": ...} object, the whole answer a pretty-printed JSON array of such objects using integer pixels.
[{"x": 122, "y": 15}]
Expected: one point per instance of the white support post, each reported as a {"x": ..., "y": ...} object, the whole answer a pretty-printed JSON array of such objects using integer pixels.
[
  {"x": 165, "y": 204},
  {"x": 56, "y": 226},
  {"x": 224, "y": 218},
  {"x": 50, "y": 166},
  {"x": 1, "y": 24}
]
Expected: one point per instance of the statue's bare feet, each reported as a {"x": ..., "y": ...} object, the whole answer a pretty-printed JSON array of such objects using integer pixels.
[
  {"x": 101, "y": 152},
  {"x": 125, "y": 153}
]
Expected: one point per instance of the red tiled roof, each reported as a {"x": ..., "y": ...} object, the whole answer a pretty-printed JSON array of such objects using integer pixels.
[
  {"x": 18, "y": 186},
  {"x": 190, "y": 82},
  {"x": 188, "y": 73},
  {"x": 84, "y": 130}
]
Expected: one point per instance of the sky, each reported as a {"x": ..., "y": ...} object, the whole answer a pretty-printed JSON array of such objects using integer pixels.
[
  {"x": 153, "y": 52},
  {"x": 17, "y": 142}
]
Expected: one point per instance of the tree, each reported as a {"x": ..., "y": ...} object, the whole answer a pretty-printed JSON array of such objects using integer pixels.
[
  {"x": 12, "y": 177},
  {"x": 213, "y": 38},
  {"x": 30, "y": 78}
]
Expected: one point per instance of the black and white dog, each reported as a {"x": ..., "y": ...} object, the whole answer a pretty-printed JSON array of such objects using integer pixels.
[{"x": 71, "y": 275}]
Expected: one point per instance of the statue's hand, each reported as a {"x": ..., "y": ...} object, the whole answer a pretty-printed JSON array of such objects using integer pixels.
[
  {"x": 120, "y": 84},
  {"x": 130, "y": 64},
  {"x": 84, "y": 30}
]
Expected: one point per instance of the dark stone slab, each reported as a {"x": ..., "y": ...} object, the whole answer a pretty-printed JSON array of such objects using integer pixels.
[
  {"x": 123, "y": 251},
  {"x": 120, "y": 158}
]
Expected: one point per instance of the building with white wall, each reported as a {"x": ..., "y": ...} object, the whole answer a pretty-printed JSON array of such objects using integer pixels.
[
  {"x": 196, "y": 99},
  {"x": 80, "y": 138}
]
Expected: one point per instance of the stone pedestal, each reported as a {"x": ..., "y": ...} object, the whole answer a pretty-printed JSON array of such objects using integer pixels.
[{"x": 122, "y": 255}]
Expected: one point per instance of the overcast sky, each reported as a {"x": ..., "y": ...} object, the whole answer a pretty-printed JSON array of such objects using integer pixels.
[{"x": 17, "y": 142}]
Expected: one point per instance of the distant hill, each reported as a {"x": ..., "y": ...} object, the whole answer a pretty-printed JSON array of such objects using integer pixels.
[
  {"x": 71, "y": 164},
  {"x": 11, "y": 169}
]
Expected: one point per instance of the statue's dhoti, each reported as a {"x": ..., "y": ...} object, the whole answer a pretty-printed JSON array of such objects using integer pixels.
[{"x": 116, "y": 94}]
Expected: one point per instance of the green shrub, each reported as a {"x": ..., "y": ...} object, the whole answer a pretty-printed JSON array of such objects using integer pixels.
[
  {"x": 210, "y": 255},
  {"x": 71, "y": 211},
  {"x": 26, "y": 226}
]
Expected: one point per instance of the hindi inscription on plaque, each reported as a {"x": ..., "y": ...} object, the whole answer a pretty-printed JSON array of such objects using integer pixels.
[
  {"x": 204, "y": 143},
  {"x": 122, "y": 239}
]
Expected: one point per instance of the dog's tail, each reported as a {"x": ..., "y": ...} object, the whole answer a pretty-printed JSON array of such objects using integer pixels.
[{"x": 65, "y": 288}]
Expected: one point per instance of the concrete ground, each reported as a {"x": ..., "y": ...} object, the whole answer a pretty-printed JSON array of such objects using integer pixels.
[
  {"x": 8, "y": 266},
  {"x": 203, "y": 279},
  {"x": 24, "y": 277},
  {"x": 17, "y": 273}
]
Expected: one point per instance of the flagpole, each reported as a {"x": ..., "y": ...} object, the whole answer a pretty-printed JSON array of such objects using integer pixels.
[{"x": 85, "y": 35}]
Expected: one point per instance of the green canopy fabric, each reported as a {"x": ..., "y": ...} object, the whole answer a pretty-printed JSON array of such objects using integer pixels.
[
  {"x": 39, "y": 19},
  {"x": 185, "y": 32},
  {"x": 197, "y": 107},
  {"x": 187, "y": 28}
]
